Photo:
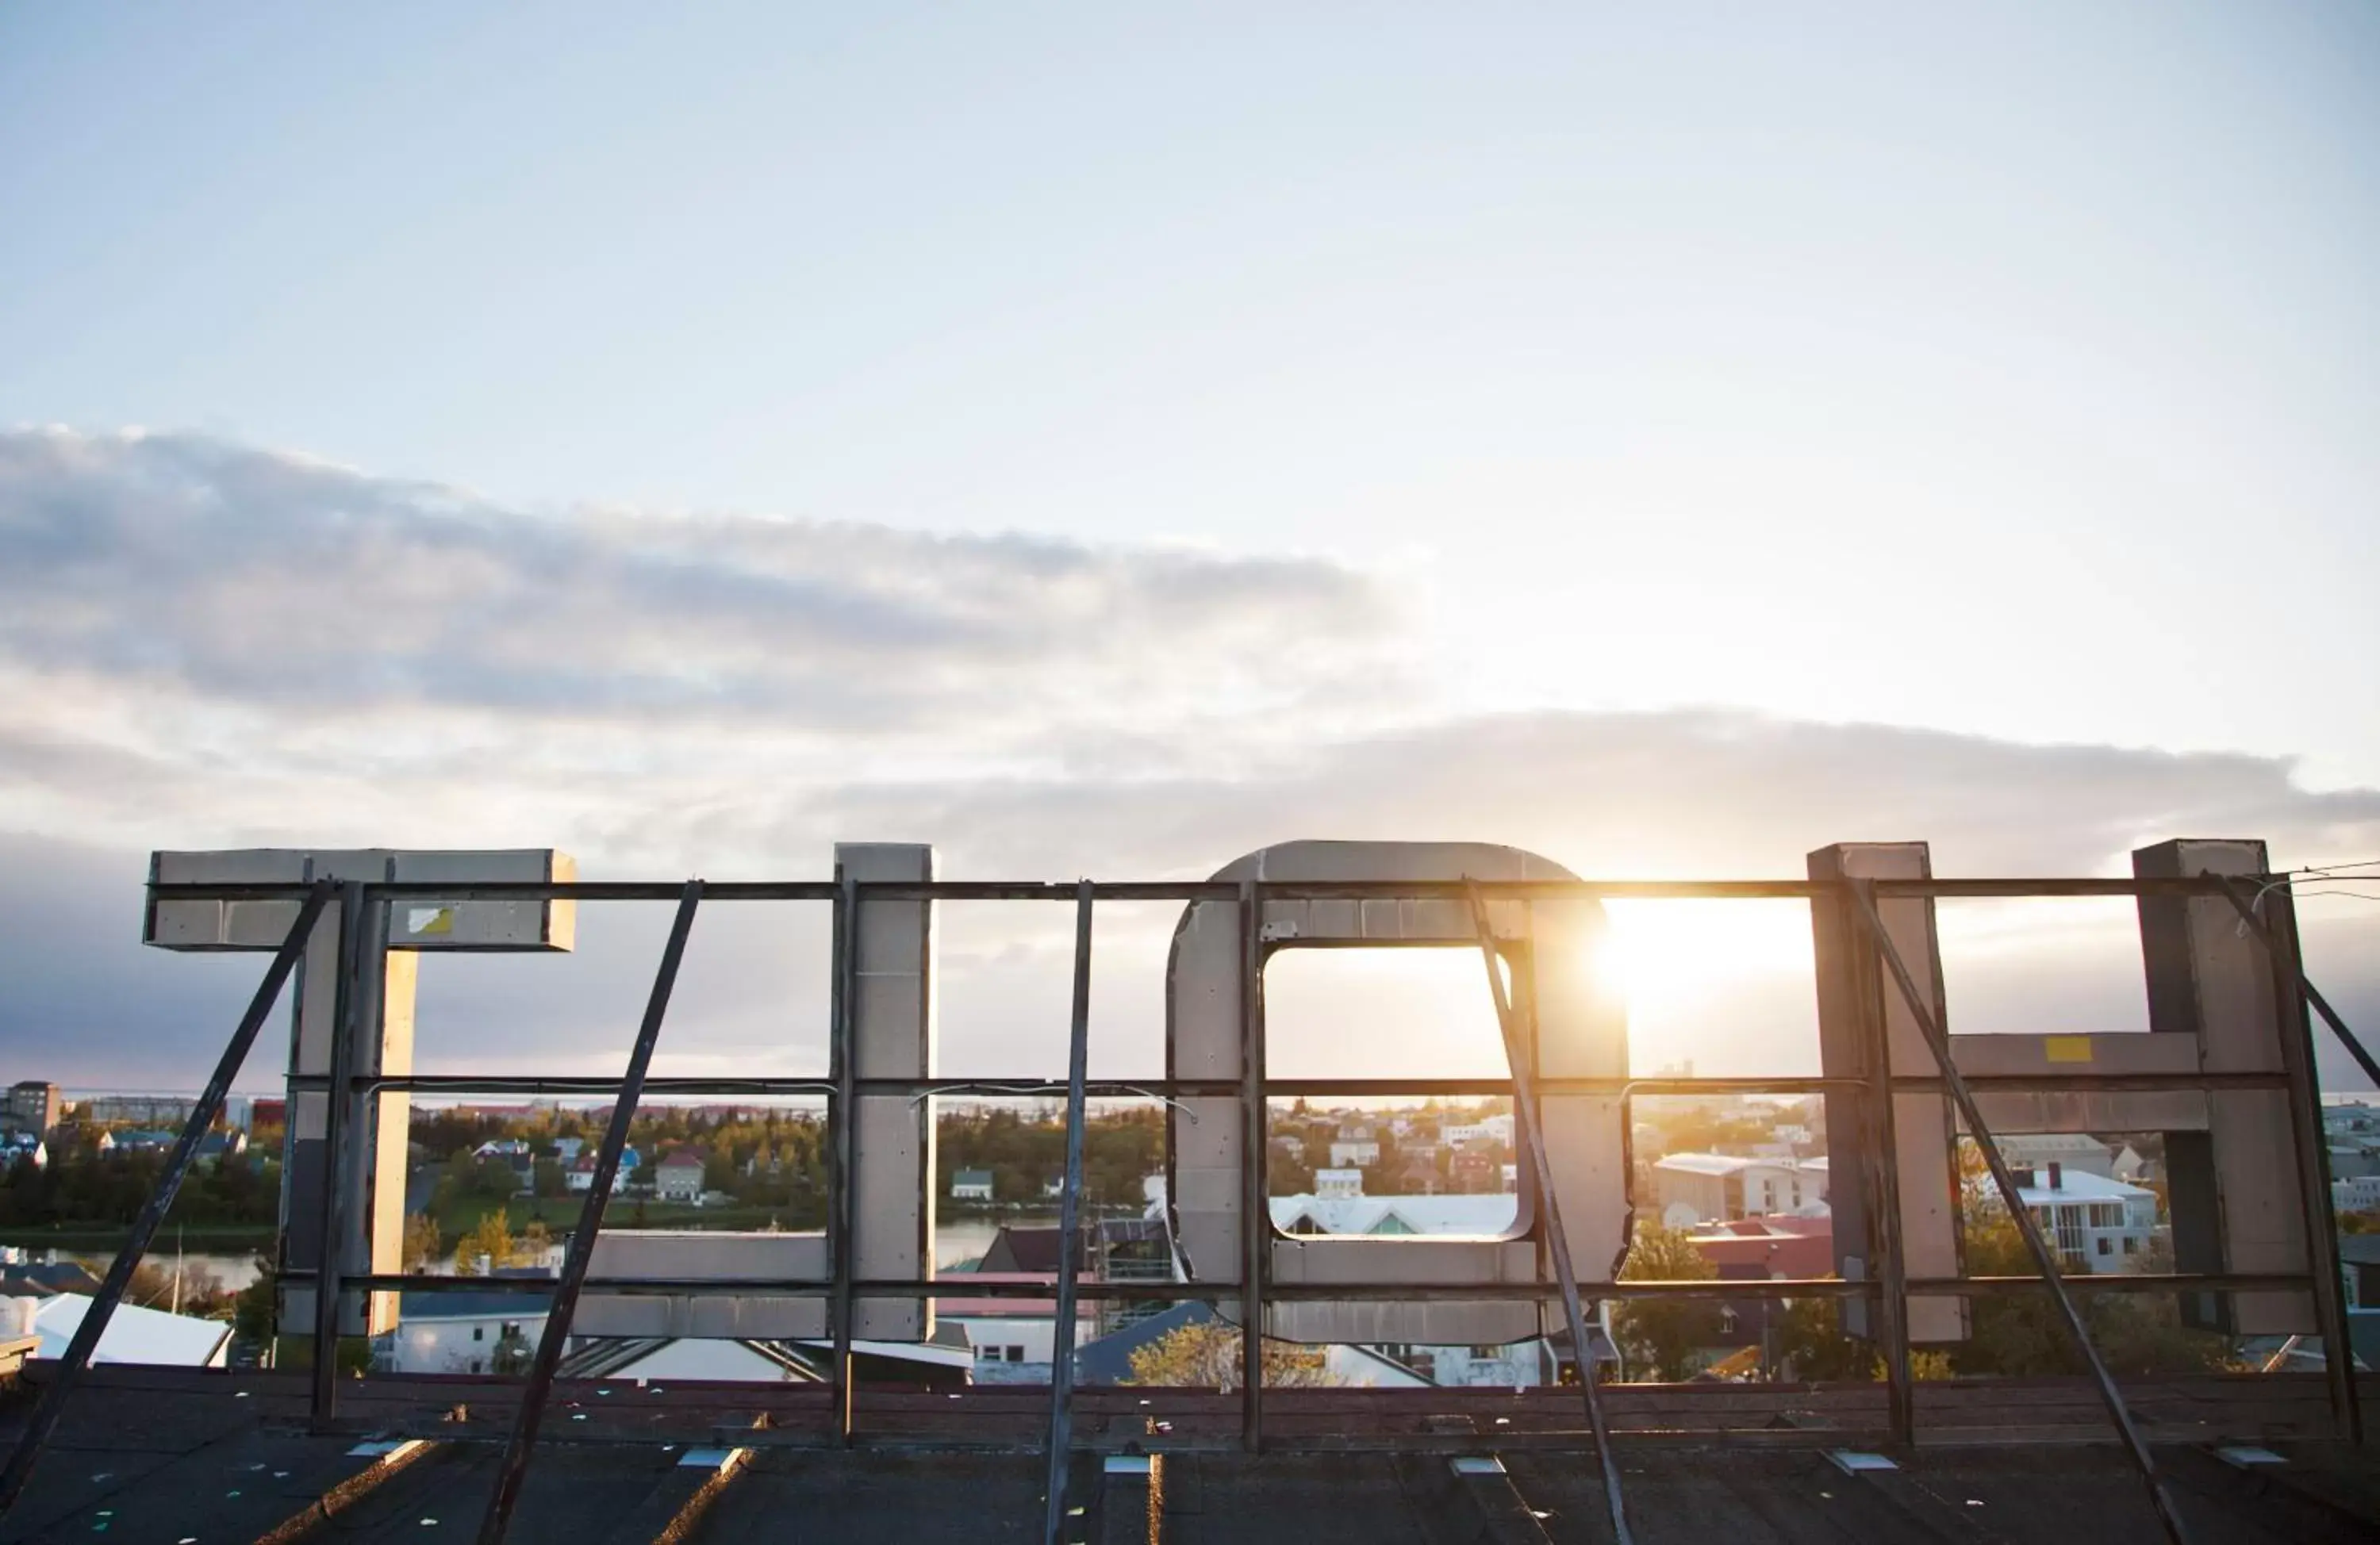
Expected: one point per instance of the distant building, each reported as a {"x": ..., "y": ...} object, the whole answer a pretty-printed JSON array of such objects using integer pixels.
[
  {"x": 1418, "y": 1178},
  {"x": 2352, "y": 1161},
  {"x": 2072, "y": 1153},
  {"x": 1355, "y": 1145},
  {"x": 1012, "y": 1339},
  {"x": 1753, "y": 1250},
  {"x": 2098, "y": 1224},
  {"x": 1338, "y": 1184},
  {"x": 679, "y": 1176},
  {"x": 971, "y": 1185},
  {"x": 461, "y": 1333},
  {"x": 1490, "y": 1215},
  {"x": 136, "y": 1110},
  {"x": 1716, "y": 1188},
  {"x": 2361, "y": 1194},
  {"x": 1486, "y": 1130},
  {"x": 134, "y": 1335},
  {"x": 32, "y": 1107},
  {"x": 1473, "y": 1169},
  {"x": 18, "y": 1148},
  {"x": 580, "y": 1176}
]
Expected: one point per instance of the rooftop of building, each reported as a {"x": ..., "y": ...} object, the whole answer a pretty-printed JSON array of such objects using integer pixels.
[
  {"x": 159, "y": 1455},
  {"x": 2075, "y": 1184},
  {"x": 1731, "y": 1164},
  {"x": 1487, "y": 1213}
]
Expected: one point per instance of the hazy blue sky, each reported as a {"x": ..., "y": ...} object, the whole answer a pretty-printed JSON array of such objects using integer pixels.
[{"x": 1690, "y": 386}]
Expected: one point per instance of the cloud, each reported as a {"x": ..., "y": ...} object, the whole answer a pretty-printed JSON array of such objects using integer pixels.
[
  {"x": 207, "y": 645},
  {"x": 274, "y": 584}
]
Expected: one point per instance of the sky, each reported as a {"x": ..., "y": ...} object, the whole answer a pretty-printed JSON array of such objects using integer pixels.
[{"x": 1098, "y": 440}]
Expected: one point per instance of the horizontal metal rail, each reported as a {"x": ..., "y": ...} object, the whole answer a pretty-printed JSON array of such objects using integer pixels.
[
  {"x": 2011, "y": 888},
  {"x": 1155, "y": 1087},
  {"x": 1368, "y": 1292}
]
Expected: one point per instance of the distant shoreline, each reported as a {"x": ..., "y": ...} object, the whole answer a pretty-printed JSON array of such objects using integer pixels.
[{"x": 209, "y": 1239}]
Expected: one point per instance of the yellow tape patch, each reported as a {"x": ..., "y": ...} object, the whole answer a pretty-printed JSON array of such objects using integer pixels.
[{"x": 2069, "y": 1048}]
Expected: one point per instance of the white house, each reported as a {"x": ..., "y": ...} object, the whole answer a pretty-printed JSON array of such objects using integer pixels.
[
  {"x": 2098, "y": 1224},
  {"x": 971, "y": 1185},
  {"x": 2358, "y": 1195},
  {"x": 679, "y": 1176},
  {"x": 580, "y": 1176},
  {"x": 1488, "y": 1128},
  {"x": 1720, "y": 1187},
  {"x": 1347, "y": 1153},
  {"x": 1338, "y": 1183},
  {"x": 1012, "y": 1339},
  {"x": 460, "y": 1332}
]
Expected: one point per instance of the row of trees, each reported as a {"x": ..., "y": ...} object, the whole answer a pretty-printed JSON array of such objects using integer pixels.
[
  {"x": 2017, "y": 1336},
  {"x": 1024, "y": 1152},
  {"x": 81, "y": 1185}
]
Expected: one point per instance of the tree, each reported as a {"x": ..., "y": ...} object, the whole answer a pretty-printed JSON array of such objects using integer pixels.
[
  {"x": 1207, "y": 1356},
  {"x": 2024, "y": 1334},
  {"x": 423, "y": 1243},
  {"x": 513, "y": 1354},
  {"x": 1664, "y": 1339},
  {"x": 257, "y": 1308},
  {"x": 491, "y": 1241},
  {"x": 1812, "y": 1344}
]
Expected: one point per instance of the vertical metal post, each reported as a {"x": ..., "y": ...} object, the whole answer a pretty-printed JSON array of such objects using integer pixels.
[
  {"x": 2043, "y": 1256},
  {"x": 1520, "y": 1051},
  {"x": 356, "y": 934},
  {"x": 2292, "y": 993},
  {"x": 169, "y": 1182},
  {"x": 498, "y": 1517},
  {"x": 1062, "y": 1356},
  {"x": 1892, "y": 1261},
  {"x": 842, "y": 1122},
  {"x": 1256, "y": 1210}
]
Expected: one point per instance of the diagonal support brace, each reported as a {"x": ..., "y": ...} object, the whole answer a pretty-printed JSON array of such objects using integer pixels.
[
  {"x": 1863, "y": 891},
  {"x": 1518, "y": 1053},
  {"x": 144, "y": 1228}
]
